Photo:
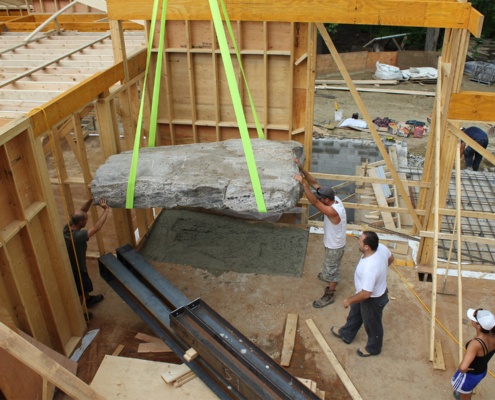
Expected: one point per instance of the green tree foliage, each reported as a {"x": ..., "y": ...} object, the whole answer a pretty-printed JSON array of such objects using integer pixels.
[{"x": 487, "y": 8}]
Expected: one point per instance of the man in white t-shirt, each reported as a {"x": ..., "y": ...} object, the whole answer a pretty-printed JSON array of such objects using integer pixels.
[
  {"x": 370, "y": 281},
  {"x": 334, "y": 228}
]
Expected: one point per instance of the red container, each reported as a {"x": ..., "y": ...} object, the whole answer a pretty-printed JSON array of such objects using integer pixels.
[{"x": 418, "y": 132}]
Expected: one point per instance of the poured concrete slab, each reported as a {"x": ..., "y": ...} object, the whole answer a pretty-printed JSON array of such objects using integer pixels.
[{"x": 204, "y": 175}]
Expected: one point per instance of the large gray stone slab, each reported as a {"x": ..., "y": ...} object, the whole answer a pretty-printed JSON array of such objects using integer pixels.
[{"x": 204, "y": 175}]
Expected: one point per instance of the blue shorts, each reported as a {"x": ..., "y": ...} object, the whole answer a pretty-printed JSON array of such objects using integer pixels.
[{"x": 465, "y": 383}]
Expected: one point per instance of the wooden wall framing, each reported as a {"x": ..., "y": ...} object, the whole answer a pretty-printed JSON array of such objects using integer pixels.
[{"x": 278, "y": 48}]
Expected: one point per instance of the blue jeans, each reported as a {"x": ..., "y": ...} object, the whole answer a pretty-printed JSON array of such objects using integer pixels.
[
  {"x": 368, "y": 313},
  {"x": 473, "y": 158}
]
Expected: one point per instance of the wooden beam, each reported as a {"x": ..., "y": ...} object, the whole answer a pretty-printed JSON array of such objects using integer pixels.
[
  {"x": 333, "y": 360},
  {"x": 472, "y": 106},
  {"x": 378, "y": 90},
  {"x": 289, "y": 339},
  {"x": 429, "y": 14},
  {"x": 39, "y": 362}
]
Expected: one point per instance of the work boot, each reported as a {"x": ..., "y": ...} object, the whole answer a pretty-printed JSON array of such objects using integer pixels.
[
  {"x": 325, "y": 300},
  {"x": 92, "y": 300}
]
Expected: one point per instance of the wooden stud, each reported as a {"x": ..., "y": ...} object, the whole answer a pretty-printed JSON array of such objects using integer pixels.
[
  {"x": 289, "y": 339},
  {"x": 367, "y": 118}
]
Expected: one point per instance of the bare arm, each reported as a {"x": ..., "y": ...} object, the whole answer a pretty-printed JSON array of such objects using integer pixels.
[
  {"x": 85, "y": 207},
  {"x": 103, "y": 217},
  {"x": 357, "y": 298},
  {"x": 311, "y": 180},
  {"x": 390, "y": 260},
  {"x": 469, "y": 356},
  {"x": 329, "y": 211}
]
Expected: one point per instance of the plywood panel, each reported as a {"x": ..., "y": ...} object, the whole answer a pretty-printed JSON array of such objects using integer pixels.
[
  {"x": 279, "y": 36},
  {"x": 279, "y": 93},
  {"x": 178, "y": 69},
  {"x": 200, "y": 35},
  {"x": 9, "y": 204},
  {"x": 253, "y": 36},
  {"x": 53, "y": 301},
  {"x": 20, "y": 260},
  {"x": 204, "y": 87},
  {"x": 23, "y": 169}
]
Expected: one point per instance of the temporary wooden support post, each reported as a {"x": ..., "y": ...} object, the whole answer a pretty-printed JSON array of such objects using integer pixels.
[
  {"x": 455, "y": 47},
  {"x": 436, "y": 215},
  {"x": 458, "y": 206},
  {"x": 367, "y": 118}
]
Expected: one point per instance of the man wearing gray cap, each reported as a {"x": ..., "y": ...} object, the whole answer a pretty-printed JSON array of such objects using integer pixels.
[{"x": 334, "y": 228}]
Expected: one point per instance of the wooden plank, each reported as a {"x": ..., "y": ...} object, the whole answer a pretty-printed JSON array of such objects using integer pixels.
[
  {"x": 430, "y": 14},
  {"x": 438, "y": 360},
  {"x": 472, "y": 106},
  {"x": 289, "y": 339},
  {"x": 378, "y": 90},
  {"x": 184, "y": 379},
  {"x": 367, "y": 118},
  {"x": 118, "y": 350},
  {"x": 147, "y": 338},
  {"x": 45, "y": 366},
  {"x": 174, "y": 372},
  {"x": 355, "y": 81},
  {"x": 382, "y": 201},
  {"x": 129, "y": 379},
  {"x": 333, "y": 360},
  {"x": 153, "y": 348}
]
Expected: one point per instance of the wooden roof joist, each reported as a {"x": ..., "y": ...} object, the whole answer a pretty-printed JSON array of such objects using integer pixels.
[
  {"x": 35, "y": 95},
  {"x": 49, "y": 86},
  {"x": 71, "y": 75},
  {"x": 422, "y": 13},
  {"x": 69, "y": 102},
  {"x": 34, "y": 59}
]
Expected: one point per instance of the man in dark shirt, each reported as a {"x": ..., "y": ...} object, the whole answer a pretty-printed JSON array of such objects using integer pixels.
[
  {"x": 472, "y": 157},
  {"x": 76, "y": 239}
]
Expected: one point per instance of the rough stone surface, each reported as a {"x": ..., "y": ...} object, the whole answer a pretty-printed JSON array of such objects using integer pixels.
[{"x": 204, "y": 175}]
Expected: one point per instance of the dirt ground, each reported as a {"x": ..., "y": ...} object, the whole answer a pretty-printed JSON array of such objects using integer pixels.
[
  {"x": 258, "y": 304},
  {"x": 398, "y": 107}
]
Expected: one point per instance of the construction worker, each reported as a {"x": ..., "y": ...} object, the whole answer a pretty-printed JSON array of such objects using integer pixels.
[
  {"x": 479, "y": 351},
  {"x": 76, "y": 241},
  {"x": 334, "y": 228},
  {"x": 471, "y": 157},
  {"x": 371, "y": 297}
]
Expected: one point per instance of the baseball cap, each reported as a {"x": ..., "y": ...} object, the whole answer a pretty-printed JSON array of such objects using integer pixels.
[
  {"x": 325, "y": 192},
  {"x": 482, "y": 317}
]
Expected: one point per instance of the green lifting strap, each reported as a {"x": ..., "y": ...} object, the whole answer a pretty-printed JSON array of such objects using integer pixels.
[
  {"x": 131, "y": 183},
  {"x": 237, "y": 103},
  {"x": 261, "y": 135}
]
